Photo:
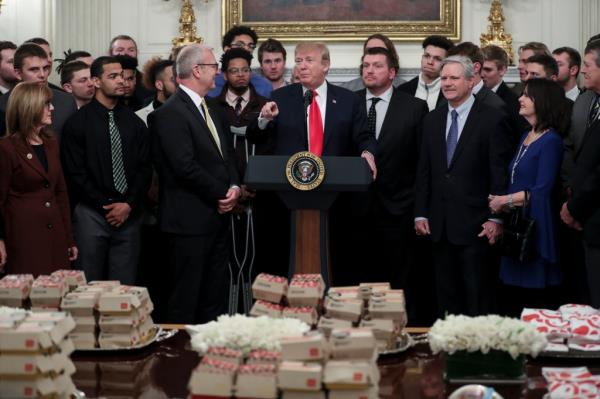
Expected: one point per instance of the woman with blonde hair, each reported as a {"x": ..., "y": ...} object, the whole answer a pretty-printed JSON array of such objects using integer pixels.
[{"x": 33, "y": 194}]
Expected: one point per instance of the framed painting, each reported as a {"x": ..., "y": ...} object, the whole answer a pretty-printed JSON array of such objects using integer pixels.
[{"x": 345, "y": 20}]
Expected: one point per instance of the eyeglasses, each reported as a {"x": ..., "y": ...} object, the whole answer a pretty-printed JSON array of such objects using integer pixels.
[
  {"x": 213, "y": 66},
  {"x": 250, "y": 46},
  {"x": 238, "y": 71}
]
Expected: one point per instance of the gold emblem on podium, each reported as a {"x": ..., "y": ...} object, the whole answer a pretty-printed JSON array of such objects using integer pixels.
[{"x": 305, "y": 171}]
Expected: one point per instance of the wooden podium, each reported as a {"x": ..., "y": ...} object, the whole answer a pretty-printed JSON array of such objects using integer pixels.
[{"x": 309, "y": 249}]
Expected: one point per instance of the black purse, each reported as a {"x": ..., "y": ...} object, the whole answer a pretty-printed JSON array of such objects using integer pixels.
[{"x": 518, "y": 239}]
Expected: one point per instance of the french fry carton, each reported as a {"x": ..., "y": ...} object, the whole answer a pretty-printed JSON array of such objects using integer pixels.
[
  {"x": 345, "y": 309},
  {"x": 264, "y": 308},
  {"x": 350, "y": 374},
  {"x": 299, "y": 376},
  {"x": 212, "y": 378},
  {"x": 327, "y": 324},
  {"x": 257, "y": 381},
  {"x": 306, "y": 290},
  {"x": 368, "y": 393},
  {"x": 307, "y": 347},
  {"x": 306, "y": 314},
  {"x": 269, "y": 288},
  {"x": 353, "y": 343}
]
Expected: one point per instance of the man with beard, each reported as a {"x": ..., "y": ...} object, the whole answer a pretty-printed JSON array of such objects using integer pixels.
[
  {"x": 75, "y": 79},
  {"x": 129, "y": 65},
  {"x": 105, "y": 150},
  {"x": 569, "y": 63},
  {"x": 8, "y": 77},
  {"x": 158, "y": 75}
]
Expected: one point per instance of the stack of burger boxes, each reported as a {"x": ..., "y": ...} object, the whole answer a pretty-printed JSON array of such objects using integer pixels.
[
  {"x": 47, "y": 292},
  {"x": 34, "y": 355},
  {"x": 124, "y": 317},
  {"x": 269, "y": 292},
  {"x": 300, "y": 373},
  {"x": 83, "y": 307},
  {"x": 15, "y": 289},
  {"x": 352, "y": 372},
  {"x": 74, "y": 278},
  {"x": 305, "y": 297}
]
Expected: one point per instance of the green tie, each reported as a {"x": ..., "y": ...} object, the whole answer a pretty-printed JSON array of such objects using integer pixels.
[
  {"x": 211, "y": 126},
  {"x": 117, "y": 155}
]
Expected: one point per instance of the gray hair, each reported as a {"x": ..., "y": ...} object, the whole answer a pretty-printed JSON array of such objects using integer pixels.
[
  {"x": 188, "y": 57},
  {"x": 466, "y": 63}
]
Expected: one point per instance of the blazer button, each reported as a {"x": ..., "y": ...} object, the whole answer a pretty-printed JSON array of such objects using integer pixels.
[
  {"x": 49, "y": 226},
  {"x": 47, "y": 205}
]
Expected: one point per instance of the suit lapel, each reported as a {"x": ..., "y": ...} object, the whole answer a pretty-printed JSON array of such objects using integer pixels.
[
  {"x": 189, "y": 104},
  {"x": 588, "y": 132},
  {"x": 25, "y": 151}
]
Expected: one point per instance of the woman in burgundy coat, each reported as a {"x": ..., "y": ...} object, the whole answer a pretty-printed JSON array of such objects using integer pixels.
[{"x": 33, "y": 193}]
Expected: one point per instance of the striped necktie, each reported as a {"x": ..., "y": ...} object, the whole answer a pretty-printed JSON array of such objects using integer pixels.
[
  {"x": 211, "y": 126},
  {"x": 116, "y": 152},
  {"x": 594, "y": 110}
]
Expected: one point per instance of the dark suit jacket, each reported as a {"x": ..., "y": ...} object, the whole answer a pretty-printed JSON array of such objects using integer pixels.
[
  {"x": 585, "y": 183},
  {"x": 455, "y": 198},
  {"x": 193, "y": 174},
  {"x": 345, "y": 131},
  {"x": 518, "y": 124},
  {"x": 410, "y": 87},
  {"x": 64, "y": 107},
  {"x": 398, "y": 151}
]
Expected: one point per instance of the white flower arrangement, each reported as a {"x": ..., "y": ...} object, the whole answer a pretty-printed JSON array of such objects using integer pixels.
[
  {"x": 245, "y": 333},
  {"x": 484, "y": 333}
]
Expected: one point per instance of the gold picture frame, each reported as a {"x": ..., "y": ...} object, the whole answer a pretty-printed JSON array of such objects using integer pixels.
[{"x": 262, "y": 15}]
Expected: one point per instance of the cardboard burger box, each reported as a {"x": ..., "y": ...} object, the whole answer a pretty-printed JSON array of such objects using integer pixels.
[
  {"x": 118, "y": 302},
  {"x": 350, "y": 374},
  {"x": 41, "y": 337},
  {"x": 303, "y": 395},
  {"x": 84, "y": 340},
  {"x": 327, "y": 324},
  {"x": 353, "y": 343},
  {"x": 120, "y": 323},
  {"x": 383, "y": 330},
  {"x": 306, "y": 290},
  {"x": 300, "y": 376},
  {"x": 256, "y": 381},
  {"x": 143, "y": 295},
  {"x": 311, "y": 346},
  {"x": 85, "y": 324},
  {"x": 74, "y": 278},
  {"x": 47, "y": 291},
  {"x": 306, "y": 314},
  {"x": 349, "y": 292},
  {"x": 35, "y": 364},
  {"x": 41, "y": 387},
  {"x": 116, "y": 340},
  {"x": 368, "y": 393},
  {"x": 269, "y": 288},
  {"x": 15, "y": 291},
  {"x": 225, "y": 355},
  {"x": 263, "y": 357},
  {"x": 388, "y": 308},
  {"x": 11, "y": 318},
  {"x": 212, "y": 378},
  {"x": 345, "y": 309},
  {"x": 81, "y": 304},
  {"x": 264, "y": 308},
  {"x": 62, "y": 320}
]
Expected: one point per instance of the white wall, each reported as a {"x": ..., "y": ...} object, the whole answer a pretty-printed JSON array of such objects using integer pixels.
[{"x": 89, "y": 24}]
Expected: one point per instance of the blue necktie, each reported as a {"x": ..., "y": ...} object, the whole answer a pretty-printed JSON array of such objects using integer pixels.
[{"x": 452, "y": 138}]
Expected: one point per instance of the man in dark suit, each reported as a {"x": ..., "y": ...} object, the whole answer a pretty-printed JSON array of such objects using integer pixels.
[
  {"x": 494, "y": 68},
  {"x": 582, "y": 210},
  {"x": 427, "y": 85},
  {"x": 199, "y": 185},
  {"x": 395, "y": 119},
  {"x": 31, "y": 65},
  {"x": 464, "y": 157}
]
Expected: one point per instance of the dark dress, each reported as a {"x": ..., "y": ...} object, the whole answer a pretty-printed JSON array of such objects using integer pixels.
[
  {"x": 35, "y": 208},
  {"x": 537, "y": 172}
]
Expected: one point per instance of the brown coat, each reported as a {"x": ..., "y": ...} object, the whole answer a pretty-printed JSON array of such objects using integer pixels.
[{"x": 35, "y": 208}]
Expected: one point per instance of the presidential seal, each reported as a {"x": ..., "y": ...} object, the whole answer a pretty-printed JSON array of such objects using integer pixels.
[{"x": 305, "y": 171}]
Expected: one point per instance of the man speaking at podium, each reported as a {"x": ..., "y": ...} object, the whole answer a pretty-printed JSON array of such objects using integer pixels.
[{"x": 324, "y": 119}]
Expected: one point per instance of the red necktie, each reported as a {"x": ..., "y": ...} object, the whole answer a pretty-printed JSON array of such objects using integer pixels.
[{"x": 315, "y": 127}]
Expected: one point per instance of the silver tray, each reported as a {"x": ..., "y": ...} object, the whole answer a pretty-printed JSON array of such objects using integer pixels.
[
  {"x": 571, "y": 354},
  {"x": 158, "y": 335},
  {"x": 403, "y": 343}
]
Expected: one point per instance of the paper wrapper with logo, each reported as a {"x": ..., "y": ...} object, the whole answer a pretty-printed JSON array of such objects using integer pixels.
[
  {"x": 300, "y": 376},
  {"x": 269, "y": 288},
  {"x": 571, "y": 382},
  {"x": 306, "y": 290},
  {"x": 547, "y": 322},
  {"x": 264, "y": 308},
  {"x": 212, "y": 378},
  {"x": 585, "y": 332},
  {"x": 305, "y": 348},
  {"x": 256, "y": 381},
  {"x": 15, "y": 289},
  {"x": 350, "y": 374},
  {"x": 353, "y": 343}
]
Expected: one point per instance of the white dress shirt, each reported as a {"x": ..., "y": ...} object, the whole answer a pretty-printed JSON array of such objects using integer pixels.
[{"x": 429, "y": 91}]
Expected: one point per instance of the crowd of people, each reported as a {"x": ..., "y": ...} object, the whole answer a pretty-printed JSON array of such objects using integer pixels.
[{"x": 137, "y": 175}]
